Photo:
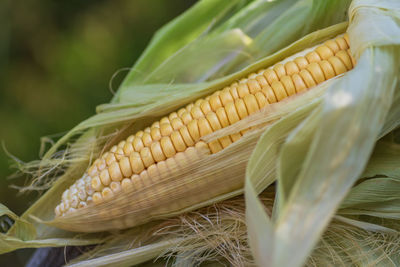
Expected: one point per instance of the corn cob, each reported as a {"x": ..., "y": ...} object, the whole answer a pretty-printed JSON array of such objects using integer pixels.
[{"x": 129, "y": 164}]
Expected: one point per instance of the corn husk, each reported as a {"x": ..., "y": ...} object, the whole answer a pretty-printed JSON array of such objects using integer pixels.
[
  {"x": 315, "y": 146},
  {"x": 320, "y": 161}
]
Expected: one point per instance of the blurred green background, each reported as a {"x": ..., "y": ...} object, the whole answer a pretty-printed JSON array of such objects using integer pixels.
[{"x": 56, "y": 61}]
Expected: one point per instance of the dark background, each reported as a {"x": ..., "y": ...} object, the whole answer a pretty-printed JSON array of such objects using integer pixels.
[{"x": 57, "y": 58}]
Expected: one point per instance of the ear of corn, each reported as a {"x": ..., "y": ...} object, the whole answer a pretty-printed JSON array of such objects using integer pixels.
[
  {"x": 149, "y": 157},
  {"x": 141, "y": 101}
]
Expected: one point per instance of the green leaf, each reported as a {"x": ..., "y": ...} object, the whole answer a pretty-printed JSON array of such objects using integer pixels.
[
  {"x": 178, "y": 33},
  {"x": 333, "y": 147}
]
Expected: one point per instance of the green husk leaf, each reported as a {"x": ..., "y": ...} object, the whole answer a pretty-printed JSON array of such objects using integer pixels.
[
  {"x": 178, "y": 33},
  {"x": 325, "y": 155},
  {"x": 384, "y": 161},
  {"x": 374, "y": 197},
  {"x": 377, "y": 195},
  {"x": 309, "y": 194},
  {"x": 23, "y": 235},
  {"x": 24, "y": 229},
  {"x": 130, "y": 256}
]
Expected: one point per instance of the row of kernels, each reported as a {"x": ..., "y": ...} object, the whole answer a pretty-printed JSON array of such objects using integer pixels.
[
  {"x": 139, "y": 181},
  {"x": 312, "y": 75},
  {"x": 76, "y": 196},
  {"x": 323, "y": 52}
]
